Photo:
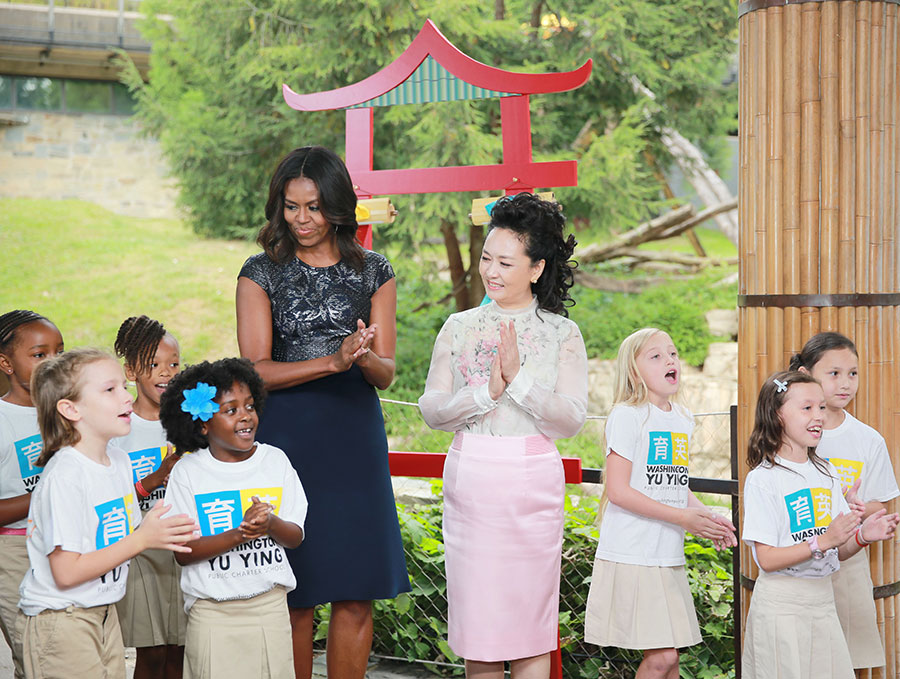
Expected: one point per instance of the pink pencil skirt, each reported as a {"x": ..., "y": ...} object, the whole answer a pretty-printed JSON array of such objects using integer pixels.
[{"x": 503, "y": 528}]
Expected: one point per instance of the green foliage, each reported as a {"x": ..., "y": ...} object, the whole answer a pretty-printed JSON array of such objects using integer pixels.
[
  {"x": 214, "y": 95},
  {"x": 413, "y": 626},
  {"x": 677, "y": 307}
]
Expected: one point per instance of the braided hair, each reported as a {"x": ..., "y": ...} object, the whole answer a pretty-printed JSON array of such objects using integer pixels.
[
  {"x": 137, "y": 341},
  {"x": 12, "y": 321},
  {"x": 539, "y": 224}
]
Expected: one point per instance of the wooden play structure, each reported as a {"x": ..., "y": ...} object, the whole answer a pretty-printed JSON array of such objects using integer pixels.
[
  {"x": 432, "y": 70},
  {"x": 819, "y": 209}
]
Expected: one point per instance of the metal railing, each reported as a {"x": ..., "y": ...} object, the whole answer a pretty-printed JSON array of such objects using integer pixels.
[{"x": 80, "y": 24}]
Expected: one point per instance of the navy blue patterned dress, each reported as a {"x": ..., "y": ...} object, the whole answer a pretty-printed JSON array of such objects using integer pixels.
[{"x": 333, "y": 432}]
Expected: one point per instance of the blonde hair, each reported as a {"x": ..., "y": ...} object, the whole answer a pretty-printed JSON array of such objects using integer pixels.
[
  {"x": 629, "y": 387},
  {"x": 52, "y": 381}
]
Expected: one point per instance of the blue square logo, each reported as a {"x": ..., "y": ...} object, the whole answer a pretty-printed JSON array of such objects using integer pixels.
[
  {"x": 27, "y": 451},
  {"x": 219, "y": 512},
  {"x": 115, "y": 522},
  {"x": 660, "y": 451},
  {"x": 800, "y": 510},
  {"x": 144, "y": 461}
]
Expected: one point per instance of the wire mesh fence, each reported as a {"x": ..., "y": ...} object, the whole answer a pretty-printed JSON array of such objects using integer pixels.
[{"x": 413, "y": 627}]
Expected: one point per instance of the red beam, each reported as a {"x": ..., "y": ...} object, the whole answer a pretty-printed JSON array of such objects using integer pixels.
[
  {"x": 431, "y": 465},
  {"x": 508, "y": 176}
]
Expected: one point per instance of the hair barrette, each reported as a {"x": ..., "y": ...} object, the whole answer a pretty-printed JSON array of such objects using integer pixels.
[
  {"x": 779, "y": 385},
  {"x": 199, "y": 402}
]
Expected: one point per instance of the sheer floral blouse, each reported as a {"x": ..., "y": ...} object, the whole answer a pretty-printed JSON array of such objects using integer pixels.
[{"x": 548, "y": 396}]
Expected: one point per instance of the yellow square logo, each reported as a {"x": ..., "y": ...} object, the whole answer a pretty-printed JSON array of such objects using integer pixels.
[
  {"x": 680, "y": 455},
  {"x": 848, "y": 471},
  {"x": 270, "y": 495},
  {"x": 821, "y": 498}
]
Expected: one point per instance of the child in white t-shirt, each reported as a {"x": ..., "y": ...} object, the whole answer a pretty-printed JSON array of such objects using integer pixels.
[
  {"x": 26, "y": 339},
  {"x": 639, "y": 596},
  {"x": 250, "y": 505},
  {"x": 84, "y": 524},
  {"x": 151, "y": 613},
  {"x": 798, "y": 526},
  {"x": 860, "y": 457}
]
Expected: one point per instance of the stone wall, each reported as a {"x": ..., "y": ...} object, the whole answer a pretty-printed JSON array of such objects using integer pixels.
[{"x": 93, "y": 157}]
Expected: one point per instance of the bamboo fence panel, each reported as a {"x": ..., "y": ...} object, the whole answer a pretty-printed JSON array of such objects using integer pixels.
[{"x": 819, "y": 173}]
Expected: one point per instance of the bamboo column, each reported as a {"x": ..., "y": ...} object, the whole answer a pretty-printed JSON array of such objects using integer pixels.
[{"x": 819, "y": 101}]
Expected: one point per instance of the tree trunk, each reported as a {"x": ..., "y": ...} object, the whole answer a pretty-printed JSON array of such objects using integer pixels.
[
  {"x": 457, "y": 271},
  {"x": 536, "y": 11},
  {"x": 499, "y": 10},
  {"x": 709, "y": 186},
  {"x": 476, "y": 285}
]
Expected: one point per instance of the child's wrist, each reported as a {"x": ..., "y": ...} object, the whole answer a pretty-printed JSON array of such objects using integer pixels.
[{"x": 151, "y": 482}]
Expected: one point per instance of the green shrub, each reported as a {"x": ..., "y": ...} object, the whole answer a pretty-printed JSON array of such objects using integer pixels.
[{"x": 678, "y": 307}]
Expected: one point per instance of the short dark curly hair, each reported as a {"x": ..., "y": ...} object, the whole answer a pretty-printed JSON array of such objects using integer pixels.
[
  {"x": 184, "y": 432},
  {"x": 539, "y": 224}
]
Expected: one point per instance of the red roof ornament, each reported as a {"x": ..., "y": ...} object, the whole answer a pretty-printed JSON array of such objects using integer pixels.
[{"x": 433, "y": 69}]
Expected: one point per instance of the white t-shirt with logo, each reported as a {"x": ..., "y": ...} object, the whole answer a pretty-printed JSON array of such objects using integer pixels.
[
  {"x": 858, "y": 451},
  {"x": 657, "y": 443},
  {"x": 217, "y": 494},
  {"x": 146, "y": 445},
  {"x": 20, "y": 446},
  {"x": 788, "y": 504},
  {"x": 80, "y": 506}
]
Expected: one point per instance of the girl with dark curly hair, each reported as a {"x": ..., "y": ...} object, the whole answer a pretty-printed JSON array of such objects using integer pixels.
[
  {"x": 250, "y": 506},
  {"x": 509, "y": 377}
]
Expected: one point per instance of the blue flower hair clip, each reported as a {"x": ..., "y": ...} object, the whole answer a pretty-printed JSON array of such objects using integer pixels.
[{"x": 199, "y": 402}]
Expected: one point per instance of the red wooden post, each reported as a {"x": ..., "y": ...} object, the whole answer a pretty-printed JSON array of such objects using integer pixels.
[
  {"x": 515, "y": 121},
  {"x": 359, "y": 144}
]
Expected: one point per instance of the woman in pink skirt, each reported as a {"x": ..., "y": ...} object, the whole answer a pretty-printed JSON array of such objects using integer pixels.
[{"x": 509, "y": 377}]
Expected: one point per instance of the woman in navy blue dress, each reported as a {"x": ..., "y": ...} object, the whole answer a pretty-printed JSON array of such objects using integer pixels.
[{"x": 316, "y": 315}]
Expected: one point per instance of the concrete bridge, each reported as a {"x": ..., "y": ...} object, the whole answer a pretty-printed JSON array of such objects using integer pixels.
[{"x": 55, "y": 41}]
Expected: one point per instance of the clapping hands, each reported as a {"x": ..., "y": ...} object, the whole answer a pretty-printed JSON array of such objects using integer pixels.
[
  {"x": 355, "y": 347},
  {"x": 256, "y": 519},
  {"x": 506, "y": 363}
]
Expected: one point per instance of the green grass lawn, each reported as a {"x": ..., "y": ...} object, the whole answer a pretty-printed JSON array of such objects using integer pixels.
[{"x": 88, "y": 269}]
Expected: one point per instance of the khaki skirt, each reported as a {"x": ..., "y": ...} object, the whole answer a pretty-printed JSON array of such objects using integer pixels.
[
  {"x": 640, "y": 607},
  {"x": 240, "y": 639},
  {"x": 152, "y": 611},
  {"x": 793, "y": 631},
  {"x": 856, "y": 611},
  {"x": 13, "y": 566}
]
